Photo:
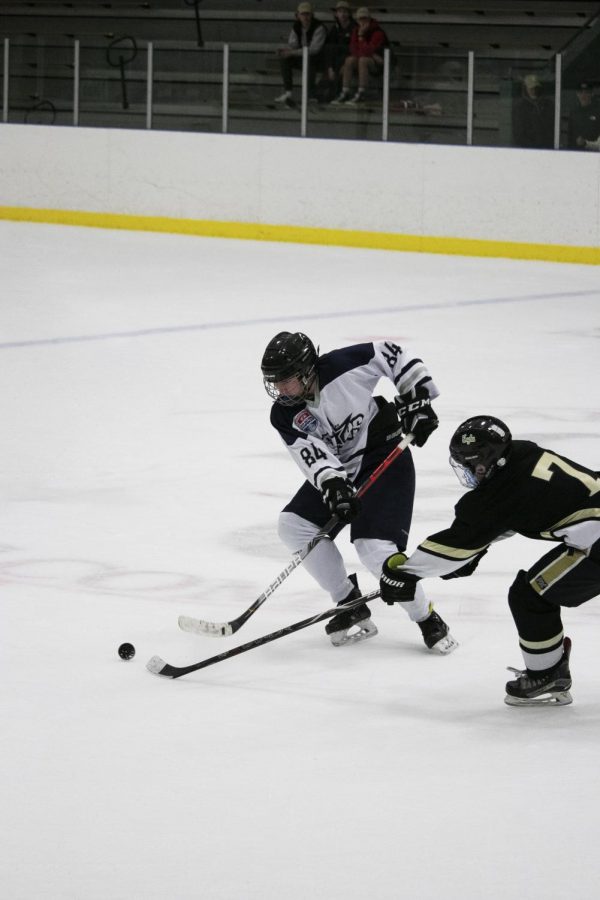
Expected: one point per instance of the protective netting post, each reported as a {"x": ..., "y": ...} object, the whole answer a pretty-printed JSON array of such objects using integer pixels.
[
  {"x": 225, "y": 97},
  {"x": 149, "y": 84},
  {"x": 5, "y": 81},
  {"x": 76, "y": 69},
  {"x": 303, "y": 117},
  {"x": 386, "y": 95},
  {"x": 557, "y": 99},
  {"x": 470, "y": 84}
]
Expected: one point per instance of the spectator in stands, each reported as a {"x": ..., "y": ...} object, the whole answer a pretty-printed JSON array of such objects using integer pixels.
[
  {"x": 367, "y": 44},
  {"x": 533, "y": 116},
  {"x": 307, "y": 31},
  {"x": 337, "y": 49},
  {"x": 584, "y": 120}
]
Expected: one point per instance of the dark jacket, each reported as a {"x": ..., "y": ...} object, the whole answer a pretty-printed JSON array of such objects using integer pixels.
[
  {"x": 533, "y": 123},
  {"x": 584, "y": 122},
  {"x": 339, "y": 36},
  {"x": 316, "y": 34}
]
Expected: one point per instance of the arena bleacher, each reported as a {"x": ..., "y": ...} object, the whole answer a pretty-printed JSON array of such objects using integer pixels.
[{"x": 430, "y": 41}]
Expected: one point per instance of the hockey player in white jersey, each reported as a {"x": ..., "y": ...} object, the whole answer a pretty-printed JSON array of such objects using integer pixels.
[{"x": 337, "y": 433}]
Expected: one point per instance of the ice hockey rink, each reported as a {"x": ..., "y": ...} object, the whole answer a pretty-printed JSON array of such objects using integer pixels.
[{"x": 141, "y": 480}]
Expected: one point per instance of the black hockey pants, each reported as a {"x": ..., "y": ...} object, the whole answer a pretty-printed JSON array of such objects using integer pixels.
[{"x": 562, "y": 577}]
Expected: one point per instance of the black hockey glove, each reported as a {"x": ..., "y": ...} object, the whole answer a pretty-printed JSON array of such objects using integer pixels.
[
  {"x": 417, "y": 416},
  {"x": 340, "y": 497},
  {"x": 467, "y": 569},
  {"x": 395, "y": 585}
]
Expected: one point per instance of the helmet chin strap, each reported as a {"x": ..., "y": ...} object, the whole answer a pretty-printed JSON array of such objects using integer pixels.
[{"x": 311, "y": 386}]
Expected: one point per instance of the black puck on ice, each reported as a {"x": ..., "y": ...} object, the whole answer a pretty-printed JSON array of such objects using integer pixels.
[{"x": 126, "y": 651}]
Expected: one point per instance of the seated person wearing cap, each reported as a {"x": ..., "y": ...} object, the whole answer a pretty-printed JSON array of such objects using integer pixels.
[
  {"x": 307, "y": 31},
  {"x": 367, "y": 43},
  {"x": 336, "y": 50}
]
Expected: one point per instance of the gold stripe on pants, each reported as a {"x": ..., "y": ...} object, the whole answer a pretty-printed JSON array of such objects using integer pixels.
[{"x": 556, "y": 570}]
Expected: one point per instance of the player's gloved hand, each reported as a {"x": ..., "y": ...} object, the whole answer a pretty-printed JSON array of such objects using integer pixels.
[
  {"x": 417, "y": 416},
  {"x": 395, "y": 585},
  {"x": 340, "y": 497},
  {"x": 467, "y": 569}
]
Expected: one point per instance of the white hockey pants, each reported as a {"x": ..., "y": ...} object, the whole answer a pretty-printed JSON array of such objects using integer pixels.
[{"x": 326, "y": 565}]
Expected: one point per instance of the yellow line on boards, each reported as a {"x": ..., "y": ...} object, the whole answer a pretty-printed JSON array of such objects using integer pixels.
[{"x": 294, "y": 234}]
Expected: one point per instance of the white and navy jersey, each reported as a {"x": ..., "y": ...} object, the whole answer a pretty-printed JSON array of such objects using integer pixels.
[
  {"x": 538, "y": 493},
  {"x": 327, "y": 435}
]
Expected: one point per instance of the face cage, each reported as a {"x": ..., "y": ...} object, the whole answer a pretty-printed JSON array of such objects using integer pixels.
[
  {"x": 466, "y": 477},
  {"x": 306, "y": 381}
]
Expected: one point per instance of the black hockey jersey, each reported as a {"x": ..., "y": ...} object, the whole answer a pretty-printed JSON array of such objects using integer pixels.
[
  {"x": 328, "y": 434},
  {"x": 538, "y": 493}
]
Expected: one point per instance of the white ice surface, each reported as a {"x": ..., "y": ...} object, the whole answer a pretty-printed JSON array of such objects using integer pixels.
[{"x": 140, "y": 479}]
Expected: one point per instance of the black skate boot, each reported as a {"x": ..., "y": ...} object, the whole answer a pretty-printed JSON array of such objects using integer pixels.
[
  {"x": 548, "y": 687},
  {"x": 436, "y": 634},
  {"x": 360, "y": 616}
]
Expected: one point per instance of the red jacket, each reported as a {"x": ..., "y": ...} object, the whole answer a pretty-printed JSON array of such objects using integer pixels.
[{"x": 372, "y": 42}]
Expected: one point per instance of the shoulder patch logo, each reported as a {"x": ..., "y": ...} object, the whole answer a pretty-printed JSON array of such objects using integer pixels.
[
  {"x": 305, "y": 421},
  {"x": 468, "y": 439}
]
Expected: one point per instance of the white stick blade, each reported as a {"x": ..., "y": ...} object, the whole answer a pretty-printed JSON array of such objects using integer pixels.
[
  {"x": 155, "y": 665},
  {"x": 199, "y": 626}
]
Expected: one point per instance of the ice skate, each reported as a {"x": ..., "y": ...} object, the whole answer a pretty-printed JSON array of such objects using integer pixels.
[
  {"x": 339, "y": 628},
  {"x": 549, "y": 687},
  {"x": 436, "y": 634}
]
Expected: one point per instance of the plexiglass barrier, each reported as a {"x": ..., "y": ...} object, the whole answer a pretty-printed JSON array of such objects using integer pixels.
[{"x": 421, "y": 94}]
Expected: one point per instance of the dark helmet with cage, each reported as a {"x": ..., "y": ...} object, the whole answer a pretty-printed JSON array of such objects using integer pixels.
[
  {"x": 478, "y": 448},
  {"x": 289, "y": 356}
]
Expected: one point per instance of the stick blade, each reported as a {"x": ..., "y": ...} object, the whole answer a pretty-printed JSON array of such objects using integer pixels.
[
  {"x": 200, "y": 626},
  {"x": 158, "y": 666}
]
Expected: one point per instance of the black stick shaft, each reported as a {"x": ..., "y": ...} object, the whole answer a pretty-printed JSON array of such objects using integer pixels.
[
  {"x": 329, "y": 531},
  {"x": 178, "y": 671}
]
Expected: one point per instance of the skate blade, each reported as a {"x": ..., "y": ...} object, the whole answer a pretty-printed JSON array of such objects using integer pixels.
[
  {"x": 557, "y": 698},
  {"x": 445, "y": 646},
  {"x": 366, "y": 630}
]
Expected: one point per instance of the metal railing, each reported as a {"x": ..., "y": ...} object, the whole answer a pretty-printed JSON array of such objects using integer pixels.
[{"x": 122, "y": 51}]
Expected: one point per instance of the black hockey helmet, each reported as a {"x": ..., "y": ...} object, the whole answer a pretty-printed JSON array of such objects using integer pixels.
[
  {"x": 286, "y": 356},
  {"x": 478, "y": 447}
]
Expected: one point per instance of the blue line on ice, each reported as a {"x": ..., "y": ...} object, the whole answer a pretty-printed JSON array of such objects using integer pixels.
[{"x": 237, "y": 323}]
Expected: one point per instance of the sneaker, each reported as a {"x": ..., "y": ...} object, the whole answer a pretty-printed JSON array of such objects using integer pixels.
[
  {"x": 283, "y": 98},
  {"x": 358, "y": 98},
  {"x": 344, "y": 97},
  {"x": 436, "y": 634},
  {"x": 542, "y": 688},
  {"x": 359, "y": 616}
]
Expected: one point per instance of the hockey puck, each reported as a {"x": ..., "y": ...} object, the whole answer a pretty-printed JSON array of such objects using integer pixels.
[{"x": 126, "y": 651}]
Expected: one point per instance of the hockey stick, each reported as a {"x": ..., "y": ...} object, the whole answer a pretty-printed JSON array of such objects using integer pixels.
[
  {"x": 158, "y": 666},
  {"x": 224, "y": 629}
]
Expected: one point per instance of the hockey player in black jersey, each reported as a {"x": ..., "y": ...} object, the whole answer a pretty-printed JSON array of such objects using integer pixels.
[
  {"x": 337, "y": 433},
  {"x": 518, "y": 487}
]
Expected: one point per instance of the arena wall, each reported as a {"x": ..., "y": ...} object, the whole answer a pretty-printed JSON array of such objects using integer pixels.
[{"x": 446, "y": 199}]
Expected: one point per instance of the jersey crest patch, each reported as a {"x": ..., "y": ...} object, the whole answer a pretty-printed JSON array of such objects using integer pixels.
[{"x": 305, "y": 421}]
